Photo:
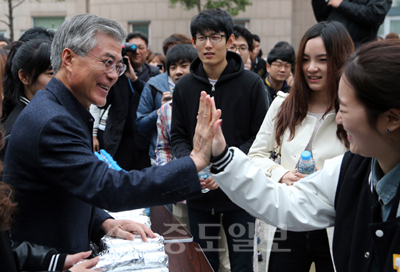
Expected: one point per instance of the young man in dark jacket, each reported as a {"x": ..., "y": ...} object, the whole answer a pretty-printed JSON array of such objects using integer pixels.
[{"x": 241, "y": 97}]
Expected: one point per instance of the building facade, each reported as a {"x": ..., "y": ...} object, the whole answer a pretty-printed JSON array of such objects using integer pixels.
[{"x": 272, "y": 20}]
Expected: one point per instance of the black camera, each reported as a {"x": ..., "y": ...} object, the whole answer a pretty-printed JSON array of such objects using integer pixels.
[{"x": 128, "y": 47}]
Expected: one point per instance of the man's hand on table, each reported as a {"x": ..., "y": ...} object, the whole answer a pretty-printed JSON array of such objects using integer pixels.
[{"x": 126, "y": 229}]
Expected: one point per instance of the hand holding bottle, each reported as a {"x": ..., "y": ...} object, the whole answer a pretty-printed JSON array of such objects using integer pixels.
[{"x": 306, "y": 163}]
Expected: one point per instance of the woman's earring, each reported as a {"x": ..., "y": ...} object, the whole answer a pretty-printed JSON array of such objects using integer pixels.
[{"x": 388, "y": 130}]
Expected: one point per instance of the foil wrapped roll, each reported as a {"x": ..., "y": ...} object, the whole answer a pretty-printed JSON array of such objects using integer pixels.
[
  {"x": 137, "y": 215},
  {"x": 119, "y": 255}
]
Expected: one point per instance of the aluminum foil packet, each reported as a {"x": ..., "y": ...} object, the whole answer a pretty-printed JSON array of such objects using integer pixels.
[
  {"x": 117, "y": 254},
  {"x": 155, "y": 260},
  {"x": 138, "y": 215}
]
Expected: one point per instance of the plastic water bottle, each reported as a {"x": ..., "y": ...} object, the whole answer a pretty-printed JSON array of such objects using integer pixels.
[
  {"x": 204, "y": 174},
  {"x": 306, "y": 164}
]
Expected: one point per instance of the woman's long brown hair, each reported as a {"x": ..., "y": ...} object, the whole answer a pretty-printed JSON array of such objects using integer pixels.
[
  {"x": 339, "y": 47},
  {"x": 7, "y": 206}
]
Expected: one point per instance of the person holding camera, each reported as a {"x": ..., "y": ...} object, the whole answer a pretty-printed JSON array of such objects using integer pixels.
[
  {"x": 121, "y": 138},
  {"x": 138, "y": 57}
]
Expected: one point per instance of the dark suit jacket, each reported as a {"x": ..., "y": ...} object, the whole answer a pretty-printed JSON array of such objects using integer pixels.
[{"x": 61, "y": 186}]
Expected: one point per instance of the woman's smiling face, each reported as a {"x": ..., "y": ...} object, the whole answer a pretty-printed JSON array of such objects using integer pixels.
[
  {"x": 315, "y": 64},
  {"x": 364, "y": 139}
]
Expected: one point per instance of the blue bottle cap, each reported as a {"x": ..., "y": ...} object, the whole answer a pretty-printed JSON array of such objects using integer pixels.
[{"x": 306, "y": 155}]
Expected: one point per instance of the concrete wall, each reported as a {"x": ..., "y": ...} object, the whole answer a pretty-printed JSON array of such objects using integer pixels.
[{"x": 303, "y": 18}]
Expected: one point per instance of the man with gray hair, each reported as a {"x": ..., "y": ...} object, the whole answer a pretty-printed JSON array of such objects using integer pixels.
[{"x": 61, "y": 186}]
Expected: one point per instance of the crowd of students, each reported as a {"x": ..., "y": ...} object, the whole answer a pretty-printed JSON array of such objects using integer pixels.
[{"x": 330, "y": 100}]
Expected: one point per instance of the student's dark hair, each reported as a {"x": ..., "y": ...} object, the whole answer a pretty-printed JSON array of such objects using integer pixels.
[
  {"x": 339, "y": 46},
  {"x": 282, "y": 54},
  {"x": 367, "y": 73},
  {"x": 215, "y": 20},
  {"x": 285, "y": 45},
  {"x": 240, "y": 31},
  {"x": 281, "y": 44},
  {"x": 175, "y": 39},
  {"x": 178, "y": 53},
  {"x": 140, "y": 35},
  {"x": 256, "y": 37},
  {"x": 33, "y": 57},
  {"x": 37, "y": 32},
  {"x": 4, "y": 39}
]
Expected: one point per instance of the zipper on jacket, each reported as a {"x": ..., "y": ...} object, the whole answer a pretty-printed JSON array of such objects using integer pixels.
[
  {"x": 213, "y": 88},
  {"x": 212, "y": 211}
]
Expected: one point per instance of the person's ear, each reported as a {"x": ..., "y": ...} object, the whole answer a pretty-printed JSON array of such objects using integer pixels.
[
  {"x": 268, "y": 67},
  {"x": 230, "y": 41},
  {"x": 194, "y": 43},
  {"x": 393, "y": 119},
  {"x": 147, "y": 52},
  {"x": 67, "y": 59},
  {"x": 23, "y": 77}
]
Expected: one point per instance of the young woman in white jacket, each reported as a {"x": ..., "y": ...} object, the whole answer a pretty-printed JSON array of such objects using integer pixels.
[{"x": 305, "y": 120}]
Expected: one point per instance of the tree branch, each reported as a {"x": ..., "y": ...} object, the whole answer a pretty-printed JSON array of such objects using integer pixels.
[
  {"x": 17, "y": 4},
  {"x": 2, "y": 21}
]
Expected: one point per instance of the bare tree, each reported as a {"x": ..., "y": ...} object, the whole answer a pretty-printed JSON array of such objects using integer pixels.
[
  {"x": 232, "y": 6},
  {"x": 10, "y": 16},
  {"x": 13, "y": 4}
]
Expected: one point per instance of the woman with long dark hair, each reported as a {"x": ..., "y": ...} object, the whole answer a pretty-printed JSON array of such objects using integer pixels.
[
  {"x": 305, "y": 120},
  {"x": 28, "y": 70}
]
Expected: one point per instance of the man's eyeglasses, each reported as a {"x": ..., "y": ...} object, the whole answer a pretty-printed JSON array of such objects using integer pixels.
[
  {"x": 242, "y": 48},
  {"x": 214, "y": 38},
  {"x": 109, "y": 65},
  {"x": 279, "y": 65}
]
